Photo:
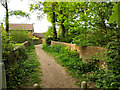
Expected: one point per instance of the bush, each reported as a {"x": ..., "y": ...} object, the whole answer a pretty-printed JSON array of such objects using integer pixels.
[{"x": 20, "y": 36}]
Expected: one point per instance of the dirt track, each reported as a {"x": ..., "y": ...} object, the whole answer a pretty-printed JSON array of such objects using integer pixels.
[{"x": 53, "y": 75}]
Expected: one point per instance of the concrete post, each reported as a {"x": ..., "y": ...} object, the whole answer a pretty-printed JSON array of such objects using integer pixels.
[
  {"x": 0, "y": 76},
  {"x": 2, "y": 68},
  {"x": 0, "y": 59}
]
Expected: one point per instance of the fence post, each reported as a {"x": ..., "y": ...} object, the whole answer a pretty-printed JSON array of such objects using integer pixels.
[{"x": 2, "y": 76}]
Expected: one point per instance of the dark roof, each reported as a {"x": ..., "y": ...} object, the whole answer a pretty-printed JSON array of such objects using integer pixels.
[
  {"x": 38, "y": 35},
  {"x": 20, "y": 26}
]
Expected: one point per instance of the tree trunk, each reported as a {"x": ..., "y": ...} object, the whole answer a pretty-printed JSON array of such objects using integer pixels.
[
  {"x": 54, "y": 27},
  {"x": 62, "y": 25},
  {"x": 63, "y": 29},
  {"x": 7, "y": 18}
]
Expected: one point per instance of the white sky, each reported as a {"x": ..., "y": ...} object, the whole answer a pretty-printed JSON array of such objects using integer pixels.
[{"x": 39, "y": 26}]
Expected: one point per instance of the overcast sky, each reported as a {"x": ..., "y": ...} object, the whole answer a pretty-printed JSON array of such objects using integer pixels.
[{"x": 39, "y": 26}]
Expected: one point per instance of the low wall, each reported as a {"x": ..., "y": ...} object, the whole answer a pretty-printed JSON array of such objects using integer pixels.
[{"x": 85, "y": 51}]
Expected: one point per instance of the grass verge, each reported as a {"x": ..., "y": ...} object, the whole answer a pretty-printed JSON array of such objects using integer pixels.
[{"x": 32, "y": 68}]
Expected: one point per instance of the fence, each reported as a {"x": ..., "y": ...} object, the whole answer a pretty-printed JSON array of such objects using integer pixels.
[{"x": 84, "y": 51}]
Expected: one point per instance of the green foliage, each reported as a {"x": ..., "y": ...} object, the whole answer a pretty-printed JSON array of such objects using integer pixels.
[
  {"x": 110, "y": 78},
  {"x": 115, "y": 15},
  {"x": 82, "y": 24},
  {"x": 49, "y": 33},
  {"x": 20, "y": 36},
  {"x": 7, "y": 45},
  {"x": 50, "y": 8},
  {"x": 113, "y": 62},
  {"x": 19, "y": 13},
  {"x": 86, "y": 23}
]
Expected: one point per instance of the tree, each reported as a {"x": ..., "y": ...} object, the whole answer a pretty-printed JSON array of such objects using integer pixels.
[
  {"x": 65, "y": 13},
  {"x": 92, "y": 17},
  {"x": 5, "y": 5},
  {"x": 17, "y": 12},
  {"x": 50, "y": 9}
]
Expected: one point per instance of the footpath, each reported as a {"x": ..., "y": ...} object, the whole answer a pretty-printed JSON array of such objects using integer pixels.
[{"x": 53, "y": 75}]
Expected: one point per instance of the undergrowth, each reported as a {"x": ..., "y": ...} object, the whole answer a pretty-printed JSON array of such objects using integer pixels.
[{"x": 22, "y": 69}]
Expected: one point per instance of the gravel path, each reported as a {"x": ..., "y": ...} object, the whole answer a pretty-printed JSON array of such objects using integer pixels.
[{"x": 53, "y": 75}]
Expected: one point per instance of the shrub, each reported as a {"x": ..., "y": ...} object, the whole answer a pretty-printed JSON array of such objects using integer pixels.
[{"x": 20, "y": 36}]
